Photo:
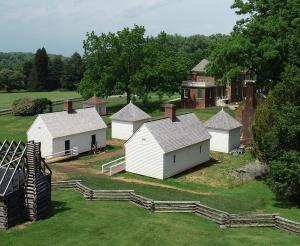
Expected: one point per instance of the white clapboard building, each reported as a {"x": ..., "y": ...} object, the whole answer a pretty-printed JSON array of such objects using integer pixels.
[
  {"x": 60, "y": 132},
  {"x": 225, "y": 132},
  {"x": 163, "y": 148},
  {"x": 127, "y": 120}
]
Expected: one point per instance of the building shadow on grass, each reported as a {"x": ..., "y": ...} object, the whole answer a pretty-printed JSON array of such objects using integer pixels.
[
  {"x": 197, "y": 168},
  {"x": 58, "y": 207}
]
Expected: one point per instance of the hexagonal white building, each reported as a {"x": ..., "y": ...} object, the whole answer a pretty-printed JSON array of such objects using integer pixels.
[
  {"x": 126, "y": 121},
  {"x": 225, "y": 132}
]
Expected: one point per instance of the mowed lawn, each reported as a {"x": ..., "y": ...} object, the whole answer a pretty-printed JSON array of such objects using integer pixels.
[
  {"x": 15, "y": 127},
  {"x": 6, "y": 99},
  {"x": 76, "y": 221}
]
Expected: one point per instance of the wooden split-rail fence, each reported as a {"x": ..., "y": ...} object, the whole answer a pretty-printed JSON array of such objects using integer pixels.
[{"x": 224, "y": 219}]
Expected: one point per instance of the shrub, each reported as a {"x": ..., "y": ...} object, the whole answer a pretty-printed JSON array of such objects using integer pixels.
[
  {"x": 27, "y": 106},
  {"x": 23, "y": 107},
  {"x": 41, "y": 104}
]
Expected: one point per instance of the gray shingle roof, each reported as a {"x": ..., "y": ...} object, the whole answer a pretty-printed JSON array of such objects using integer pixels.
[
  {"x": 130, "y": 113},
  {"x": 223, "y": 121},
  {"x": 18, "y": 178},
  {"x": 62, "y": 124},
  {"x": 200, "y": 67},
  {"x": 185, "y": 131}
]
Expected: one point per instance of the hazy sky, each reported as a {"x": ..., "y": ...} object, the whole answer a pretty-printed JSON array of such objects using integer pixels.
[{"x": 60, "y": 25}]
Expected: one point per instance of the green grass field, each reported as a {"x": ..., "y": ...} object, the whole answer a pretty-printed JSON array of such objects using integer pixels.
[
  {"x": 15, "y": 127},
  {"x": 76, "y": 221},
  {"x": 80, "y": 222},
  {"x": 6, "y": 99}
]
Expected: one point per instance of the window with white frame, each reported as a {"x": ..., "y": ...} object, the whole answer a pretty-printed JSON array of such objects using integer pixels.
[{"x": 186, "y": 93}]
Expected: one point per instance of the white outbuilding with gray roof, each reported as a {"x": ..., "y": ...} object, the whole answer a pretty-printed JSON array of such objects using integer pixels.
[
  {"x": 225, "y": 132},
  {"x": 127, "y": 120},
  {"x": 61, "y": 131},
  {"x": 163, "y": 148}
]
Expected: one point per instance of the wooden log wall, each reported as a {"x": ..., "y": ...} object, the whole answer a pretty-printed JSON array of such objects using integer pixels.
[
  {"x": 12, "y": 209},
  {"x": 141, "y": 201},
  {"x": 224, "y": 219},
  {"x": 83, "y": 190},
  {"x": 251, "y": 220},
  {"x": 70, "y": 184},
  {"x": 112, "y": 195},
  {"x": 218, "y": 216},
  {"x": 288, "y": 225},
  {"x": 174, "y": 206},
  {"x": 38, "y": 185}
]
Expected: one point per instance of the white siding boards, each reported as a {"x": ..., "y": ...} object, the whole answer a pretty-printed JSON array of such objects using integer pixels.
[
  {"x": 127, "y": 120},
  {"x": 39, "y": 133},
  {"x": 76, "y": 127},
  {"x": 144, "y": 156},
  {"x": 163, "y": 148},
  {"x": 225, "y": 132},
  {"x": 185, "y": 158}
]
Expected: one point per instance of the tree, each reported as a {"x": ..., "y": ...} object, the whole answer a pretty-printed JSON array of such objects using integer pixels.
[
  {"x": 11, "y": 80},
  {"x": 72, "y": 73},
  {"x": 163, "y": 68},
  {"x": 38, "y": 78},
  {"x": 111, "y": 61},
  {"x": 56, "y": 68},
  {"x": 128, "y": 62},
  {"x": 27, "y": 67},
  {"x": 266, "y": 42},
  {"x": 259, "y": 43}
]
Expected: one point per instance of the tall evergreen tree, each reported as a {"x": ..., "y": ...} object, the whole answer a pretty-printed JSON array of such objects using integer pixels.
[
  {"x": 39, "y": 73},
  {"x": 73, "y": 72},
  {"x": 27, "y": 67},
  {"x": 56, "y": 68}
]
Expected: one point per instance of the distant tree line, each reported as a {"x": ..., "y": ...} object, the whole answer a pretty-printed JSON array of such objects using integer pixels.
[
  {"x": 39, "y": 72},
  {"x": 130, "y": 62}
]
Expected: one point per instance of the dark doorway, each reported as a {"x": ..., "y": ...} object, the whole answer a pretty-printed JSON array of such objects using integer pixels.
[
  {"x": 94, "y": 140},
  {"x": 67, "y": 147}
]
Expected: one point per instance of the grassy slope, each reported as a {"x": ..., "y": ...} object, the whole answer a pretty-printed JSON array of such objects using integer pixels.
[
  {"x": 227, "y": 193},
  {"x": 79, "y": 222},
  {"x": 6, "y": 99},
  {"x": 251, "y": 197}
]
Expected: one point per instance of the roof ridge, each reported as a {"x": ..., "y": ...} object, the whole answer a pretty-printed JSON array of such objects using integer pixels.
[{"x": 165, "y": 117}]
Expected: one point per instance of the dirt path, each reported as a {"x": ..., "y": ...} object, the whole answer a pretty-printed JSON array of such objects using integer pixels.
[
  {"x": 63, "y": 170},
  {"x": 137, "y": 181}
]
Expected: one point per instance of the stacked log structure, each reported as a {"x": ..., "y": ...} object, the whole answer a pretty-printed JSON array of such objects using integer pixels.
[
  {"x": 12, "y": 179},
  {"x": 12, "y": 209},
  {"x": 38, "y": 184}
]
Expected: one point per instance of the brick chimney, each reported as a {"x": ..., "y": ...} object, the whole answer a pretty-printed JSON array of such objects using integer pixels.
[
  {"x": 170, "y": 111},
  {"x": 68, "y": 106},
  {"x": 250, "y": 92},
  {"x": 248, "y": 111}
]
